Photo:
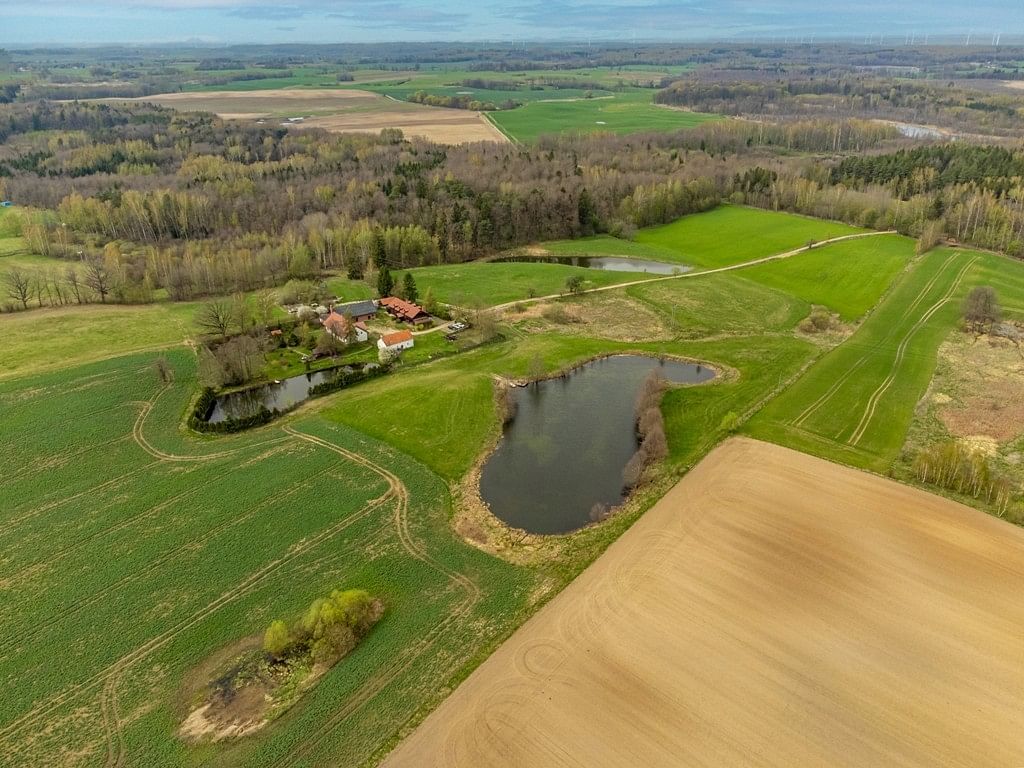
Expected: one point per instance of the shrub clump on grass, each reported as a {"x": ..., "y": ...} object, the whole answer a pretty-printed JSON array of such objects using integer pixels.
[
  {"x": 264, "y": 682},
  {"x": 650, "y": 429},
  {"x": 819, "y": 321},
  {"x": 328, "y": 630}
]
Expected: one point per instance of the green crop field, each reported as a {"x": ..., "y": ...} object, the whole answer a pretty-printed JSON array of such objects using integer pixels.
[
  {"x": 726, "y": 235},
  {"x": 133, "y": 553},
  {"x": 847, "y": 277},
  {"x": 500, "y": 282},
  {"x": 855, "y": 404},
  {"x": 731, "y": 234},
  {"x": 622, "y": 112}
]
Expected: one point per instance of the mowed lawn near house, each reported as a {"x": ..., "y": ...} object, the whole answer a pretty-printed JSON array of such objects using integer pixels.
[
  {"x": 490, "y": 283},
  {"x": 630, "y": 111},
  {"x": 856, "y": 403}
]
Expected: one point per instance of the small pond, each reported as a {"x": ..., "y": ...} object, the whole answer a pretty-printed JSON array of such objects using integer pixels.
[
  {"x": 275, "y": 396},
  {"x": 608, "y": 263},
  {"x": 571, "y": 437}
]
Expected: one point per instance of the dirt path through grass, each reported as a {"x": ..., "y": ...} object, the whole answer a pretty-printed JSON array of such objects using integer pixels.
[{"x": 690, "y": 275}]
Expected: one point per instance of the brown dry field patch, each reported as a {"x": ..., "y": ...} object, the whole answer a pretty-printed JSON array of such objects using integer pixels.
[
  {"x": 986, "y": 376},
  {"x": 773, "y": 609},
  {"x": 337, "y": 110},
  {"x": 444, "y": 126},
  {"x": 610, "y": 315}
]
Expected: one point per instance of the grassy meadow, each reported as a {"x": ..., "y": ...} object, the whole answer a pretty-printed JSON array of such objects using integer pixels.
[
  {"x": 732, "y": 234},
  {"x": 726, "y": 235},
  {"x": 487, "y": 284},
  {"x": 856, "y": 403},
  {"x": 621, "y": 112}
]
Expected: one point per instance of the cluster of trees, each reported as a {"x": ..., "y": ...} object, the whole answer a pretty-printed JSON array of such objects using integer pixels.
[
  {"x": 459, "y": 101},
  {"x": 329, "y": 629},
  {"x": 956, "y": 467},
  {"x": 650, "y": 429},
  {"x": 239, "y": 360},
  {"x": 934, "y": 167},
  {"x": 195, "y": 206}
]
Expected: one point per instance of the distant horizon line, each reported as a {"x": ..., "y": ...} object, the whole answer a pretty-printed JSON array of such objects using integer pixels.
[{"x": 894, "y": 39}]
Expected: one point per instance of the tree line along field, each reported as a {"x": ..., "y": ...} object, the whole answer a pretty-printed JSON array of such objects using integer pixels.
[{"x": 169, "y": 548}]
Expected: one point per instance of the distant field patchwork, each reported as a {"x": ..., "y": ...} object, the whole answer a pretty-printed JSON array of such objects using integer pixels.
[{"x": 339, "y": 110}]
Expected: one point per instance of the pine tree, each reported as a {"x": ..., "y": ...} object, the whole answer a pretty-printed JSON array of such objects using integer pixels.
[
  {"x": 409, "y": 288},
  {"x": 385, "y": 282}
]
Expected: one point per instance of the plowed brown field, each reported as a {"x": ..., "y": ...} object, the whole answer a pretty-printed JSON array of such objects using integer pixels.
[
  {"x": 773, "y": 609},
  {"x": 338, "y": 110}
]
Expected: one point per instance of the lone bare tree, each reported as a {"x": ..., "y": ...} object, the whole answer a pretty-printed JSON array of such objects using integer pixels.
[
  {"x": 19, "y": 285},
  {"x": 216, "y": 316},
  {"x": 98, "y": 277}
]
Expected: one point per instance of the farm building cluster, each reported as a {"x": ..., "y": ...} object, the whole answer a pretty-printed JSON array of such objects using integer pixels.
[{"x": 348, "y": 322}]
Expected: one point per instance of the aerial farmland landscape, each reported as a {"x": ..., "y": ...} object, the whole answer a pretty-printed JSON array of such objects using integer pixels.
[{"x": 432, "y": 384}]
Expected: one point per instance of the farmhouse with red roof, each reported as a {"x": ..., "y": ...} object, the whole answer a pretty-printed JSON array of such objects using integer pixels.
[{"x": 406, "y": 311}]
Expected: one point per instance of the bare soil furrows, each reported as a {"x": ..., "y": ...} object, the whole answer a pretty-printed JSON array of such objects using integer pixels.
[{"x": 773, "y": 609}]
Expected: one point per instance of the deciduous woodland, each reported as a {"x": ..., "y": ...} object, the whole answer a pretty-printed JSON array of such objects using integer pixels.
[{"x": 150, "y": 199}]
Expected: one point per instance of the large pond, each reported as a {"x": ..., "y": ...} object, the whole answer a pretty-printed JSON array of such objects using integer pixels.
[
  {"x": 566, "y": 448},
  {"x": 280, "y": 395},
  {"x": 608, "y": 263}
]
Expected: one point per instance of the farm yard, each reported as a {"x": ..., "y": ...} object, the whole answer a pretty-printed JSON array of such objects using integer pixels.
[
  {"x": 367, "y": 489},
  {"x": 837, "y": 606}
]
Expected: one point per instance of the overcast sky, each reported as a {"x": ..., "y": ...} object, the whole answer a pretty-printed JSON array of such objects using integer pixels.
[{"x": 104, "y": 21}]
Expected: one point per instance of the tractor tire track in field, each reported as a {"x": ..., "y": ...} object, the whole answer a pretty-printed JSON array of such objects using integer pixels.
[
  {"x": 377, "y": 683},
  {"x": 112, "y": 724},
  {"x": 191, "y": 544},
  {"x": 45, "y": 708},
  {"x": 876, "y": 396},
  {"x": 144, "y": 444},
  {"x": 813, "y": 407}
]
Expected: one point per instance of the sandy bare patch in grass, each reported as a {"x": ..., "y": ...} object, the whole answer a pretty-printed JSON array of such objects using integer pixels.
[
  {"x": 609, "y": 315},
  {"x": 986, "y": 378},
  {"x": 772, "y": 609}
]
